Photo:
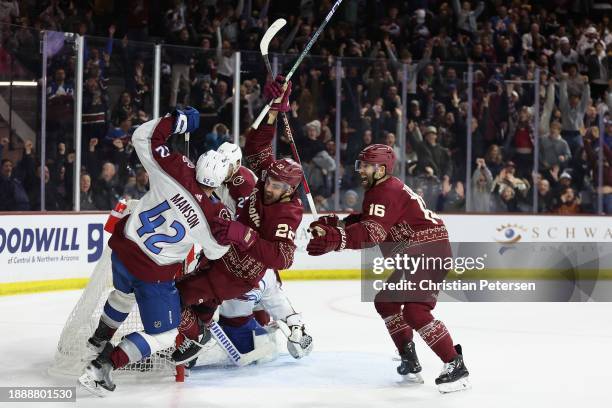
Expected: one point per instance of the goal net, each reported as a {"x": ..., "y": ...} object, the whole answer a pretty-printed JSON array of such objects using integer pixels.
[{"x": 72, "y": 354}]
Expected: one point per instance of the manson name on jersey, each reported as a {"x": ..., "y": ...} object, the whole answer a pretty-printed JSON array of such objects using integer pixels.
[{"x": 186, "y": 209}]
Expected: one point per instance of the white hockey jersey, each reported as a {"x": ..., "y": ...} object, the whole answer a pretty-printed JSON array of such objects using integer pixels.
[{"x": 172, "y": 216}]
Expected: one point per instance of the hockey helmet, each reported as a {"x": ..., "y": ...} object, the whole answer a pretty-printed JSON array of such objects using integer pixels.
[
  {"x": 212, "y": 169},
  {"x": 377, "y": 154},
  {"x": 233, "y": 153},
  {"x": 287, "y": 171}
]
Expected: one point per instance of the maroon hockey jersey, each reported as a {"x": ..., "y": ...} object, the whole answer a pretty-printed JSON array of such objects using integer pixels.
[
  {"x": 276, "y": 223},
  {"x": 234, "y": 192},
  {"x": 392, "y": 212}
]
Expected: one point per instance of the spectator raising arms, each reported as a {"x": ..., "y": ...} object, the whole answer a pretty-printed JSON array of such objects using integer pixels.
[{"x": 397, "y": 58}]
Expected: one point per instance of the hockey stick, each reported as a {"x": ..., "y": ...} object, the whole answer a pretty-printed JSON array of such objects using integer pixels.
[
  {"x": 232, "y": 352},
  {"x": 297, "y": 63},
  {"x": 263, "y": 46},
  {"x": 187, "y": 144}
]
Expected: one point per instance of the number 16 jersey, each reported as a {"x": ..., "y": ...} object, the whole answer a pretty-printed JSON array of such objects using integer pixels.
[{"x": 392, "y": 212}]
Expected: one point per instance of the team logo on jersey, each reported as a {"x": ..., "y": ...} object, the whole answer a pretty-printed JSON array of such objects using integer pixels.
[
  {"x": 199, "y": 197},
  {"x": 225, "y": 214},
  {"x": 238, "y": 180},
  {"x": 253, "y": 210}
]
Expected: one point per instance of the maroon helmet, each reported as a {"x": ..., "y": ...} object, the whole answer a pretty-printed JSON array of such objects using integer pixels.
[
  {"x": 377, "y": 154},
  {"x": 287, "y": 171}
]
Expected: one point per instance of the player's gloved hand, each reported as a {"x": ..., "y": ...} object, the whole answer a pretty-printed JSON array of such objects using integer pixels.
[
  {"x": 190, "y": 325},
  {"x": 299, "y": 344},
  {"x": 331, "y": 220},
  {"x": 228, "y": 232},
  {"x": 185, "y": 120},
  {"x": 273, "y": 90},
  {"x": 352, "y": 218},
  {"x": 326, "y": 239}
]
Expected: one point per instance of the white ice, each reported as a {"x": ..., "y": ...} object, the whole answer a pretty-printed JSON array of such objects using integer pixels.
[{"x": 519, "y": 355}]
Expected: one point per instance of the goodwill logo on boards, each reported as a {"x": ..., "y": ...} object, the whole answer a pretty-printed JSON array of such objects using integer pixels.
[{"x": 50, "y": 244}]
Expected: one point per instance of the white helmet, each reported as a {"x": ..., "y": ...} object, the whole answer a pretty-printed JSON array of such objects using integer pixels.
[
  {"x": 233, "y": 153},
  {"x": 212, "y": 168}
]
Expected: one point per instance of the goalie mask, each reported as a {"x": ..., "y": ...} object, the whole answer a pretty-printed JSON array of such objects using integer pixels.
[
  {"x": 233, "y": 153},
  {"x": 212, "y": 169}
]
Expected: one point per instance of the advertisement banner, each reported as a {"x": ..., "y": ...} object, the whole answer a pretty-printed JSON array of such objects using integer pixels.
[{"x": 47, "y": 247}]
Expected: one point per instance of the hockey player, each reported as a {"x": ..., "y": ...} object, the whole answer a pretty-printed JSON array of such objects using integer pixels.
[
  {"x": 245, "y": 320},
  {"x": 243, "y": 317},
  {"x": 393, "y": 213},
  {"x": 261, "y": 238},
  {"x": 238, "y": 320},
  {"x": 149, "y": 246},
  {"x": 237, "y": 188}
]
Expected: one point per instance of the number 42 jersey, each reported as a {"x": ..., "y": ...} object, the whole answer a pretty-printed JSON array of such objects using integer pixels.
[{"x": 156, "y": 237}]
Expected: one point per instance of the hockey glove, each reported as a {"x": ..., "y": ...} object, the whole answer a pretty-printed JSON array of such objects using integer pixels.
[
  {"x": 299, "y": 344},
  {"x": 185, "y": 120},
  {"x": 233, "y": 232},
  {"x": 330, "y": 220},
  {"x": 190, "y": 325},
  {"x": 328, "y": 239},
  {"x": 274, "y": 90}
]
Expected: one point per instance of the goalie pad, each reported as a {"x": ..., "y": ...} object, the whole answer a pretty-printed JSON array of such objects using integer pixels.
[
  {"x": 254, "y": 343},
  {"x": 242, "y": 336}
]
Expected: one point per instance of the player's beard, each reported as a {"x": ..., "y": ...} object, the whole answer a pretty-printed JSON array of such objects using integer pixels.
[
  {"x": 367, "y": 181},
  {"x": 269, "y": 198}
]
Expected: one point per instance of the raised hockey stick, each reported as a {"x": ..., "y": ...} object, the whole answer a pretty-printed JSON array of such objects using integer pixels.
[
  {"x": 232, "y": 352},
  {"x": 297, "y": 63},
  {"x": 263, "y": 46}
]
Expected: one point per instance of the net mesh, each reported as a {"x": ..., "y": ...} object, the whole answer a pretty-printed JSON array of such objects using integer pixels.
[{"x": 72, "y": 354}]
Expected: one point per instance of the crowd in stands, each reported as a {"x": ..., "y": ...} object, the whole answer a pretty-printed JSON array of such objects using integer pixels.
[{"x": 385, "y": 46}]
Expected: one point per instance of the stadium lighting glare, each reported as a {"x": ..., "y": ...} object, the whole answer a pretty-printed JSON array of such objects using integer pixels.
[{"x": 19, "y": 83}]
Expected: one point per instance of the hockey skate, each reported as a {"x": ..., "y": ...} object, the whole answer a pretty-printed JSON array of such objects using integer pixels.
[
  {"x": 410, "y": 367},
  {"x": 454, "y": 375},
  {"x": 190, "y": 349},
  {"x": 98, "y": 341},
  {"x": 97, "y": 376}
]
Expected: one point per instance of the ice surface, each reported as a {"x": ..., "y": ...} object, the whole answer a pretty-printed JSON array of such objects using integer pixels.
[{"x": 519, "y": 355}]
